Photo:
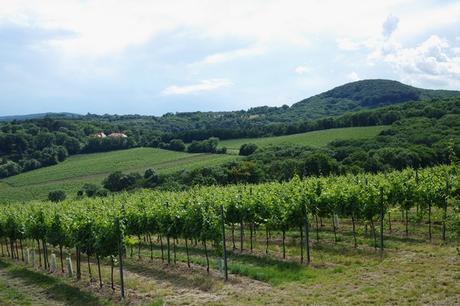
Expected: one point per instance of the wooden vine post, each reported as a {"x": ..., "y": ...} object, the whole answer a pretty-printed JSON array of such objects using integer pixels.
[
  {"x": 224, "y": 242},
  {"x": 120, "y": 255},
  {"x": 382, "y": 215},
  {"x": 307, "y": 237},
  {"x": 444, "y": 217}
]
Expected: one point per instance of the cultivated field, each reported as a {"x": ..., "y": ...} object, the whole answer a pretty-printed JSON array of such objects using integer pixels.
[
  {"x": 315, "y": 138},
  {"x": 413, "y": 271},
  {"x": 366, "y": 244},
  {"x": 77, "y": 170}
]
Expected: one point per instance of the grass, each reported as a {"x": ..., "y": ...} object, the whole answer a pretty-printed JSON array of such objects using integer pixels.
[
  {"x": 412, "y": 271},
  {"x": 71, "y": 174},
  {"x": 77, "y": 170},
  {"x": 21, "y": 286},
  {"x": 315, "y": 138}
]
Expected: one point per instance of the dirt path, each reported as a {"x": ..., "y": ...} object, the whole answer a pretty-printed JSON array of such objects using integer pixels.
[{"x": 15, "y": 291}]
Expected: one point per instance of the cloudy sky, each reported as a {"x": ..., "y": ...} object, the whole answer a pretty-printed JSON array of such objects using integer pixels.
[{"x": 152, "y": 57}]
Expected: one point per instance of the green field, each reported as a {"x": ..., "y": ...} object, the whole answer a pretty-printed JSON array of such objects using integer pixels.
[
  {"x": 71, "y": 174},
  {"x": 315, "y": 138}
]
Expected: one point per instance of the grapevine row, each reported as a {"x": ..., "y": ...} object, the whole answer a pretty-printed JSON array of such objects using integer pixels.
[{"x": 101, "y": 227}]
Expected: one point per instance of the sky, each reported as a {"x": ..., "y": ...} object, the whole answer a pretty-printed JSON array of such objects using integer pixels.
[{"x": 152, "y": 57}]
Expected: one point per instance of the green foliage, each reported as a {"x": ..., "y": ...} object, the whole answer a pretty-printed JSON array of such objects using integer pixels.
[
  {"x": 365, "y": 94},
  {"x": 247, "y": 149},
  {"x": 174, "y": 144},
  {"x": 47, "y": 141},
  {"x": 81, "y": 169},
  {"x": 57, "y": 196},
  {"x": 90, "y": 189},
  {"x": 204, "y": 146},
  {"x": 9, "y": 168},
  {"x": 117, "y": 181},
  {"x": 90, "y": 224}
]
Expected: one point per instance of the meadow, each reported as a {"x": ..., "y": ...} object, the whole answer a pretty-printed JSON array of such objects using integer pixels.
[
  {"x": 315, "y": 138},
  {"x": 77, "y": 170}
]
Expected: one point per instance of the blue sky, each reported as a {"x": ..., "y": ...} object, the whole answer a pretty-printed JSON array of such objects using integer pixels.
[{"x": 153, "y": 57}]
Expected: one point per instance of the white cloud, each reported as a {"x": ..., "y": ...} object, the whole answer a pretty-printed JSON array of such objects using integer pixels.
[
  {"x": 204, "y": 85},
  {"x": 232, "y": 55},
  {"x": 353, "y": 76},
  {"x": 432, "y": 60},
  {"x": 108, "y": 27},
  {"x": 302, "y": 69}
]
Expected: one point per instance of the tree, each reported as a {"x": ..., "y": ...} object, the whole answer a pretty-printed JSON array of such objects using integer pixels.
[
  {"x": 247, "y": 149},
  {"x": 30, "y": 164},
  {"x": 177, "y": 145},
  {"x": 151, "y": 178},
  {"x": 72, "y": 145},
  {"x": 9, "y": 169},
  {"x": 113, "y": 181},
  {"x": 204, "y": 146},
  {"x": 61, "y": 153},
  {"x": 118, "y": 181},
  {"x": 56, "y": 196}
]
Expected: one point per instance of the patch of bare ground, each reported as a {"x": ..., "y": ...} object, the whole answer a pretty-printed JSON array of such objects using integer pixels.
[{"x": 181, "y": 285}]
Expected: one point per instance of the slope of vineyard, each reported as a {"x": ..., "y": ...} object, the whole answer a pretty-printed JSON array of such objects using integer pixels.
[
  {"x": 315, "y": 138},
  {"x": 300, "y": 239},
  {"x": 77, "y": 170}
]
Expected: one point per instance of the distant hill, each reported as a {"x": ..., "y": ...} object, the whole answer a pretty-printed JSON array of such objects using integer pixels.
[
  {"x": 343, "y": 99},
  {"x": 39, "y": 116},
  {"x": 362, "y": 95}
]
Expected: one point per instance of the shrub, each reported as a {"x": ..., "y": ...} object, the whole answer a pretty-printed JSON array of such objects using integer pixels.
[
  {"x": 118, "y": 181},
  {"x": 101, "y": 192},
  {"x": 90, "y": 190},
  {"x": 247, "y": 149},
  {"x": 204, "y": 146},
  {"x": 222, "y": 150},
  {"x": 176, "y": 145},
  {"x": 30, "y": 164},
  {"x": 56, "y": 196},
  {"x": 9, "y": 168}
]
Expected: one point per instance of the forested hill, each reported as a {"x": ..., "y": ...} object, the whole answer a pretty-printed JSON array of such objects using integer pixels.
[
  {"x": 35, "y": 143},
  {"x": 40, "y": 116},
  {"x": 363, "y": 95}
]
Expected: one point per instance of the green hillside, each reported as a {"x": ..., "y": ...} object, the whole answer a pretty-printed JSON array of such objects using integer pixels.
[
  {"x": 71, "y": 174},
  {"x": 315, "y": 138},
  {"x": 364, "y": 94}
]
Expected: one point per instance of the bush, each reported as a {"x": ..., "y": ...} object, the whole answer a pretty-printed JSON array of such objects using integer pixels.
[
  {"x": 30, "y": 164},
  {"x": 101, "y": 192},
  {"x": 247, "y": 149},
  {"x": 90, "y": 190},
  {"x": 204, "y": 146},
  {"x": 151, "y": 178},
  {"x": 176, "y": 145},
  {"x": 118, "y": 181},
  {"x": 61, "y": 153},
  {"x": 222, "y": 150},
  {"x": 56, "y": 196},
  {"x": 9, "y": 168}
]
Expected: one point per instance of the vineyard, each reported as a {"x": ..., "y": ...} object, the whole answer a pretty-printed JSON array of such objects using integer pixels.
[{"x": 214, "y": 224}]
